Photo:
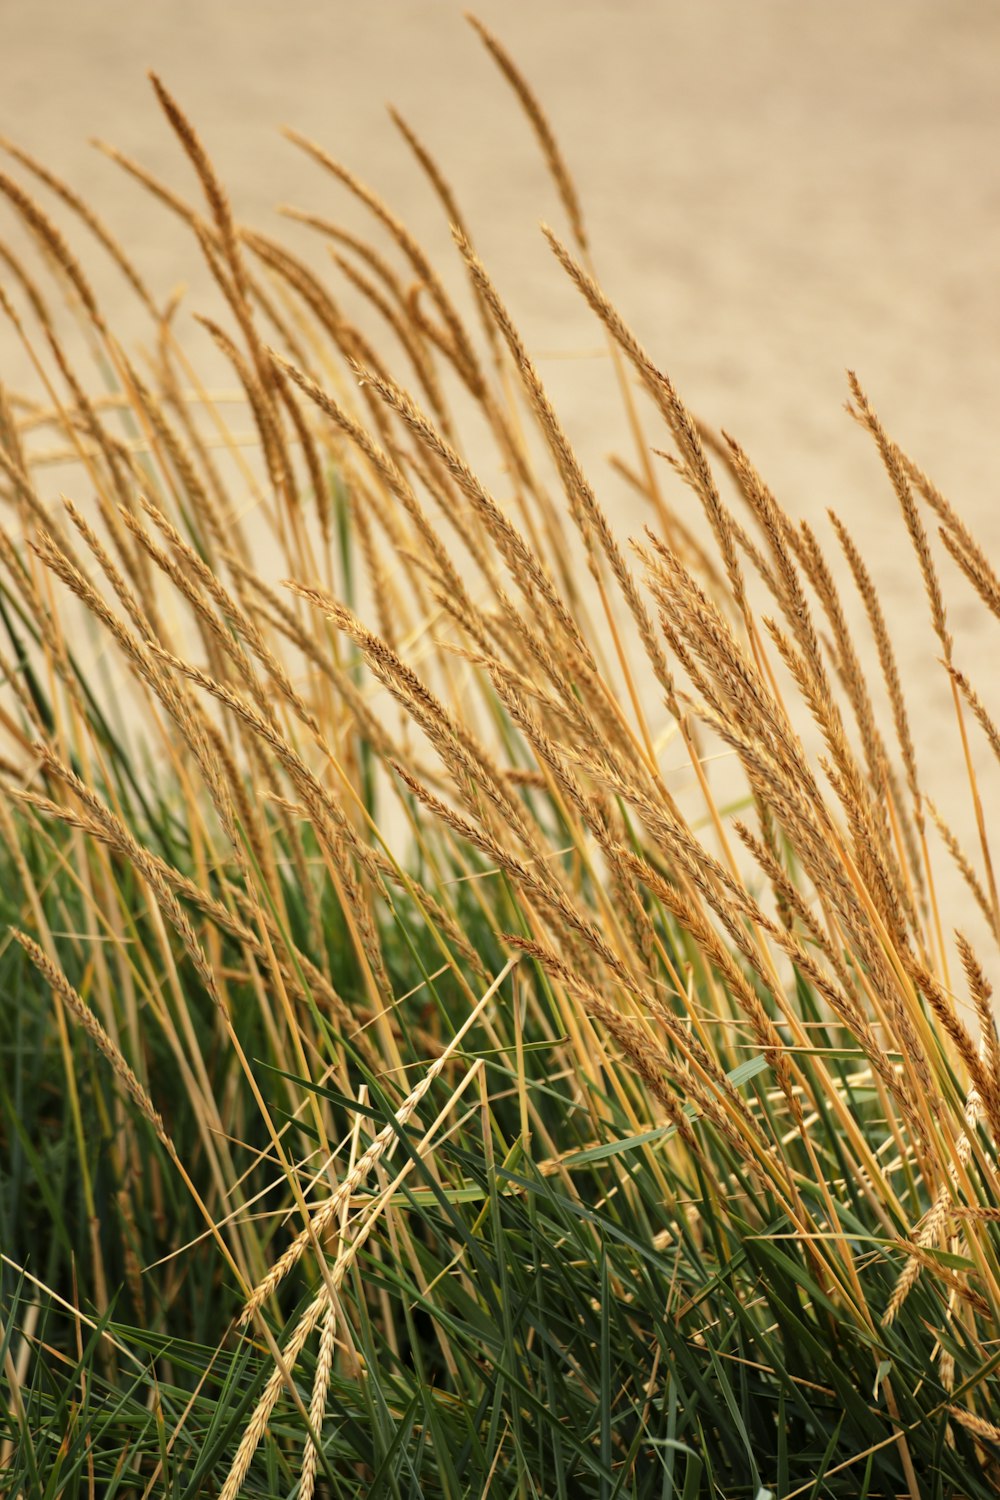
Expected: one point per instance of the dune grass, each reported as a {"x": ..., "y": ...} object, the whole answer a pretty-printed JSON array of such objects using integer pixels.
[{"x": 407, "y": 1090}]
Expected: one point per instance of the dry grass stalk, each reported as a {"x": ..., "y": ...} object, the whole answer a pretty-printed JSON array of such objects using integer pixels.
[{"x": 82, "y": 1012}]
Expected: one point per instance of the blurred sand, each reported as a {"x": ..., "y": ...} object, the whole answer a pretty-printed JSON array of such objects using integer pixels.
[{"x": 774, "y": 190}]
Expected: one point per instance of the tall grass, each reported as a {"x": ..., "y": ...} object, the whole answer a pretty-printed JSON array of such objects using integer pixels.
[{"x": 406, "y": 1091}]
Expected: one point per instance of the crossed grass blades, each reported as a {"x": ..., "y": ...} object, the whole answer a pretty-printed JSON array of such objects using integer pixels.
[{"x": 406, "y": 1090}]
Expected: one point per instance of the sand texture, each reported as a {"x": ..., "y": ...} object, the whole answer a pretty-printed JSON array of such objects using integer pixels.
[{"x": 774, "y": 191}]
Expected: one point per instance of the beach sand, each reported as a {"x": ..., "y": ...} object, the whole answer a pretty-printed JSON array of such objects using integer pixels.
[{"x": 775, "y": 191}]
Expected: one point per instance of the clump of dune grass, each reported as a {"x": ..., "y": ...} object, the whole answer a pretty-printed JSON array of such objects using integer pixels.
[{"x": 406, "y": 1089}]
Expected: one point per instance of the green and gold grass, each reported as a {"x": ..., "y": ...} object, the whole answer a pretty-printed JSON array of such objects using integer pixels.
[{"x": 405, "y": 1090}]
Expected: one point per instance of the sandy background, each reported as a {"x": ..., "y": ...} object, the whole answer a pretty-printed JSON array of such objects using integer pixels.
[{"x": 775, "y": 190}]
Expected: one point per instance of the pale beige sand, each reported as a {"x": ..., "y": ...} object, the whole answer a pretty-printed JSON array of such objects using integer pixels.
[{"x": 775, "y": 190}]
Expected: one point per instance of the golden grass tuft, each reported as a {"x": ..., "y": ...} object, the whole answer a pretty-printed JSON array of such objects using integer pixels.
[{"x": 500, "y": 746}]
